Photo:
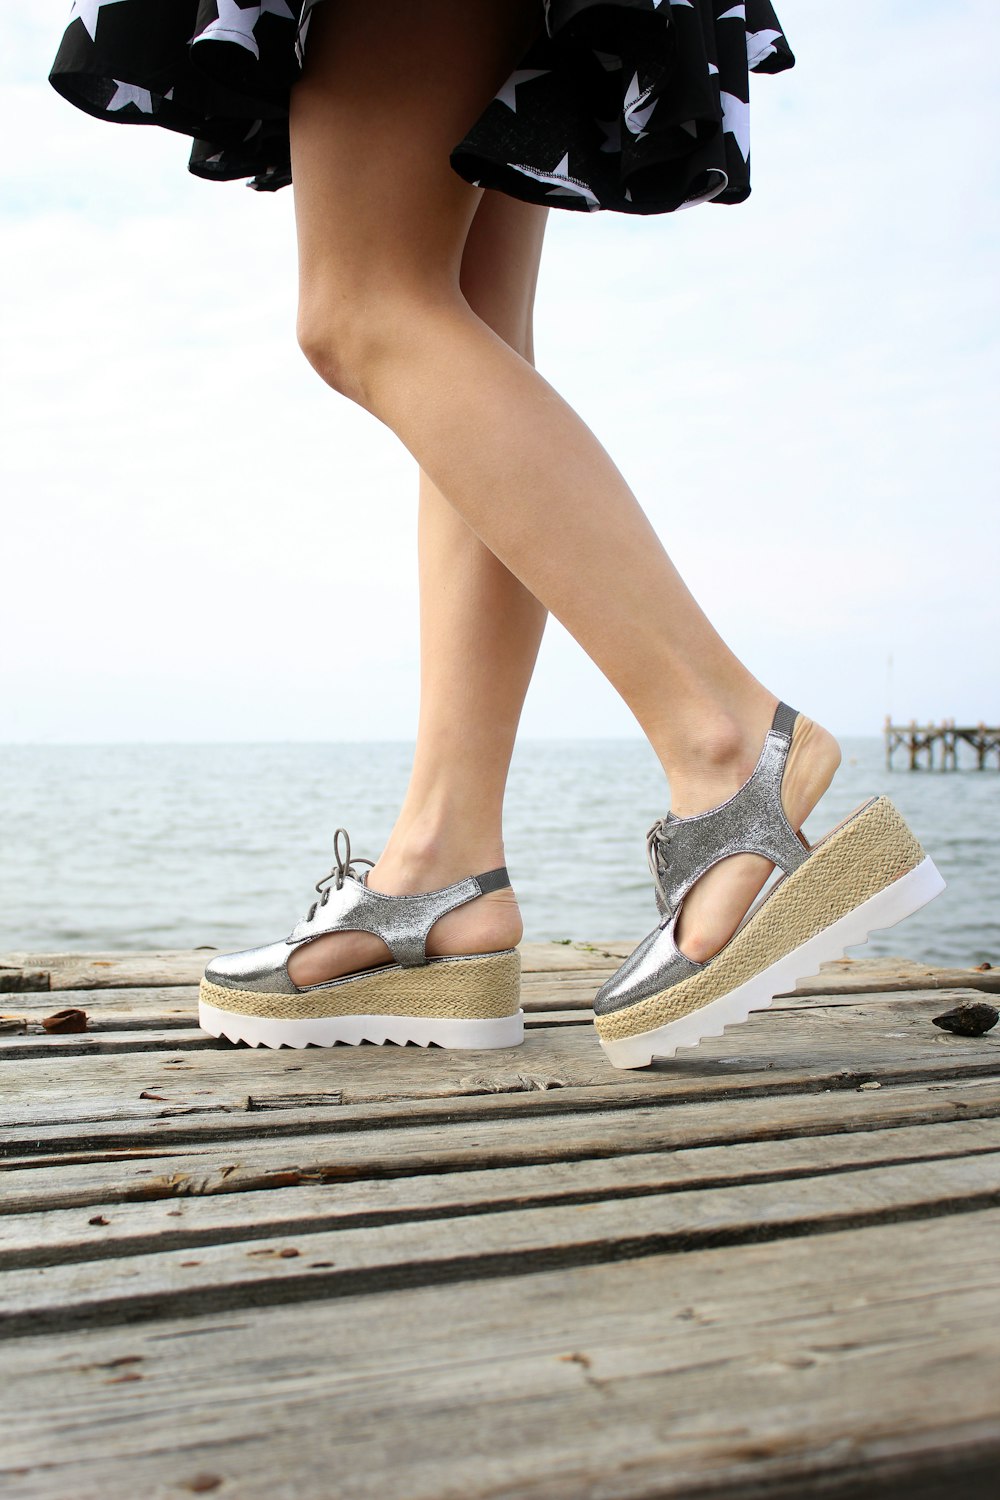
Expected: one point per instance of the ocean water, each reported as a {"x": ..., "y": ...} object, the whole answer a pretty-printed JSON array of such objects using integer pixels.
[{"x": 182, "y": 846}]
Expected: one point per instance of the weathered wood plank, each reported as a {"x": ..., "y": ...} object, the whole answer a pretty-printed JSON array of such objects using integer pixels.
[
  {"x": 441, "y": 1134},
  {"x": 843, "y": 976},
  {"x": 58, "y": 1236},
  {"x": 345, "y": 1262},
  {"x": 857, "y": 975},
  {"x": 384, "y": 1168},
  {"x": 105, "y": 1041},
  {"x": 104, "y": 1037},
  {"x": 563, "y": 999},
  {"x": 883, "y": 1039},
  {"x": 395, "y": 1146},
  {"x": 20, "y": 972},
  {"x": 59, "y": 971},
  {"x": 74, "y": 971},
  {"x": 784, "y": 1369},
  {"x": 177, "y": 1006}
]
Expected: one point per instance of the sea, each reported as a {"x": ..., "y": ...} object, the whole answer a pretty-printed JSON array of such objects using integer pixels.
[{"x": 152, "y": 846}]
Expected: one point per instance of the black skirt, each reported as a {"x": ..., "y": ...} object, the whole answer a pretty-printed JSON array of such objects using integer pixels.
[{"x": 640, "y": 106}]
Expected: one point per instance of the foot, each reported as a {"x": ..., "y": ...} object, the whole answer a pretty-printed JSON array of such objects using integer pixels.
[
  {"x": 716, "y": 905},
  {"x": 489, "y": 924}
]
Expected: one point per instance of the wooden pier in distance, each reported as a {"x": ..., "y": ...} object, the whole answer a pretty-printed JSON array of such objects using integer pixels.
[
  {"x": 767, "y": 1267},
  {"x": 921, "y": 741}
]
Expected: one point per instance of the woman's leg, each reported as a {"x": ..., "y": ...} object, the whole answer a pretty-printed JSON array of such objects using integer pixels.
[
  {"x": 480, "y": 630},
  {"x": 382, "y": 224}
]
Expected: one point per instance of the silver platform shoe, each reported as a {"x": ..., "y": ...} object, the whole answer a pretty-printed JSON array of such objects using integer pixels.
[
  {"x": 467, "y": 1002},
  {"x": 868, "y": 872}
]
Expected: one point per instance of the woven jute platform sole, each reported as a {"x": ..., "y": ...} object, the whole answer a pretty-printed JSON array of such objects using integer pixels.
[
  {"x": 869, "y": 874},
  {"x": 469, "y": 1003}
]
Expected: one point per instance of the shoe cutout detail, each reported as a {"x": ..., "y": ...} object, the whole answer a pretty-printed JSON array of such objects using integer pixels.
[
  {"x": 829, "y": 896},
  {"x": 471, "y": 1001}
]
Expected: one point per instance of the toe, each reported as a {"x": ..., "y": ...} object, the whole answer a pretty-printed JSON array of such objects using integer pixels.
[{"x": 252, "y": 969}]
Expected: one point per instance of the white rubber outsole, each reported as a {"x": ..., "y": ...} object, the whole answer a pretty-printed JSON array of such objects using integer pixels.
[
  {"x": 330, "y": 1031},
  {"x": 887, "y": 907}
]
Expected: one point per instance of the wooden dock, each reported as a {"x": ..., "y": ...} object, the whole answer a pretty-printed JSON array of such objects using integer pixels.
[
  {"x": 925, "y": 743},
  {"x": 767, "y": 1268}
]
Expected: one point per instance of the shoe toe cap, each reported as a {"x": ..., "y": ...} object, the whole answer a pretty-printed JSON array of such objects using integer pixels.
[
  {"x": 262, "y": 969},
  {"x": 654, "y": 966}
]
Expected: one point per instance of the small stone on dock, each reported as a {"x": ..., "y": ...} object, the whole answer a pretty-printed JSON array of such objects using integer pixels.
[{"x": 971, "y": 1018}]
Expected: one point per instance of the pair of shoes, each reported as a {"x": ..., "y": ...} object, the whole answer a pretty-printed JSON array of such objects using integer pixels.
[
  {"x": 467, "y": 1002},
  {"x": 867, "y": 873}
]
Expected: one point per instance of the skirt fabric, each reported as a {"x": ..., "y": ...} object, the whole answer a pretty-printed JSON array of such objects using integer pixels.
[{"x": 639, "y": 106}]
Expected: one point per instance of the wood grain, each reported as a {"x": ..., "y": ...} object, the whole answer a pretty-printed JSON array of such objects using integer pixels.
[
  {"x": 791, "y": 1367},
  {"x": 766, "y": 1268}
]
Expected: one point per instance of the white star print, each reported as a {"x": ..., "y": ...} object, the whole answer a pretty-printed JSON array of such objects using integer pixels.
[
  {"x": 88, "y": 12},
  {"x": 635, "y": 116},
  {"x": 233, "y": 25},
  {"x": 507, "y": 94},
  {"x": 718, "y": 183},
  {"x": 127, "y": 93},
  {"x": 736, "y": 121},
  {"x": 760, "y": 44},
  {"x": 564, "y": 185},
  {"x": 736, "y": 13}
]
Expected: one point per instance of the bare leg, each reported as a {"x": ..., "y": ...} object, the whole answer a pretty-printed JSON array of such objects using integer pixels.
[
  {"x": 382, "y": 226},
  {"x": 479, "y": 635}
]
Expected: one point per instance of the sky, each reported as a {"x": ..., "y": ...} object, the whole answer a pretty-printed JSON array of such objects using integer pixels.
[{"x": 202, "y": 542}]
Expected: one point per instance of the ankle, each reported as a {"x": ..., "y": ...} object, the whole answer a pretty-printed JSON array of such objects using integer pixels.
[
  {"x": 723, "y": 755},
  {"x": 422, "y": 857},
  {"x": 716, "y": 757}
]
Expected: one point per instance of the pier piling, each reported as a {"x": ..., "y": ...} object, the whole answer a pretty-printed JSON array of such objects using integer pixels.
[{"x": 926, "y": 743}]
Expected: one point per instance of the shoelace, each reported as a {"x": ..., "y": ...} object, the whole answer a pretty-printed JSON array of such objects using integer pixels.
[
  {"x": 658, "y": 841},
  {"x": 343, "y": 867}
]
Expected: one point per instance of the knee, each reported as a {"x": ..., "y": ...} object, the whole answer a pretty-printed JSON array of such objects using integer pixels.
[
  {"x": 337, "y": 339},
  {"x": 355, "y": 337}
]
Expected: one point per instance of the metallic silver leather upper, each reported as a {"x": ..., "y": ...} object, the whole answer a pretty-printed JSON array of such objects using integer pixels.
[
  {"x": 753, "y": 821},
  {"x": 681, "y": 850},
  {"x": 347, "y": 904}
]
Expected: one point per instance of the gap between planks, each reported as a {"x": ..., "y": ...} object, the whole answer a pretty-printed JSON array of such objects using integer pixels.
[
  {"x": 396, "y": 1150},
  {"x": 508, "y": 1243},
  {"x": 780, "y": 1370},
  {"x": 41, "y": 972},
  {"x": 884, "y": 1040},
  {"x": 59, "y": 1235}
]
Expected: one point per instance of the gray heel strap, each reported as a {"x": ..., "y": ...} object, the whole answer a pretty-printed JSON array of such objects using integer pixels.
[
  {"x": 784, "y": 721},
  {"x": 753, "y": 821}
]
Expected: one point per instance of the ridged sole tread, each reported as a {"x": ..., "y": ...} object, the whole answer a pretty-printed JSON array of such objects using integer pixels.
[{"x": 887, "y": 907}]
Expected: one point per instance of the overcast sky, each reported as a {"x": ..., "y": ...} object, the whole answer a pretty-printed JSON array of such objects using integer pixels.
[{"x": 802, "y": 390}]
